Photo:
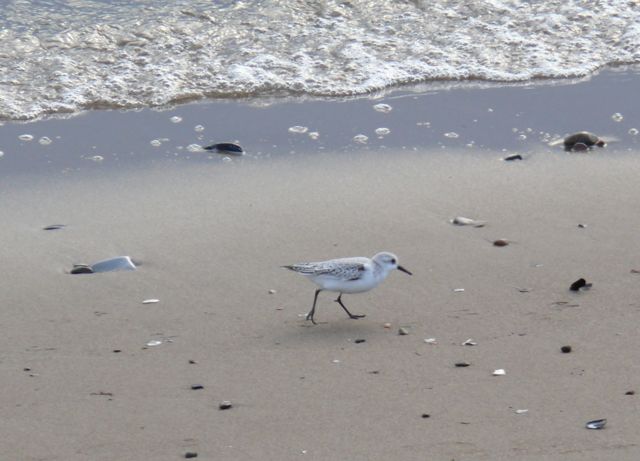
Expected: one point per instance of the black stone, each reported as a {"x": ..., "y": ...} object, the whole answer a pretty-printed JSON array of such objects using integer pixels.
[
  {"x": 358, "y": 341},
  {"x": 426, "y": 415},
  {"x": 195, "y": 387},
  {"x": 227, "y": 147},
  {"x": 582, "y": 140},
  {"x": 462, "y": 364},
  {"x": 630, "y": 393},
  {"x": 580, "y": 283},
  {"x": 53, "y": 227},
  {"x": 512, "y": 157},
  {"x": 565, "y": 349},
  {"x": 191, "y": 454}
]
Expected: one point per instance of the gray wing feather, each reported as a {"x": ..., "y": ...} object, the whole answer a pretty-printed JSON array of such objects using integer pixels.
[{"x": 345, "y": 271}]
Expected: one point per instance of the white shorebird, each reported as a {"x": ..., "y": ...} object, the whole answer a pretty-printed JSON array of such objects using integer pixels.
[{"x": 347, "y": 275}]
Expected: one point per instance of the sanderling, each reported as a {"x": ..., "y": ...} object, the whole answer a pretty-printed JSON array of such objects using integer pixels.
[{"x": 347, "y": 275}]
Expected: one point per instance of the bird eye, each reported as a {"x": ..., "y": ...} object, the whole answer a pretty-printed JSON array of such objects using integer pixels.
[{"x": 393, "y": 260}]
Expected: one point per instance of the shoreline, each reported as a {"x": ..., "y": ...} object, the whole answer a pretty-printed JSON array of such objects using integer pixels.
[{"x": 505, "y": 119}]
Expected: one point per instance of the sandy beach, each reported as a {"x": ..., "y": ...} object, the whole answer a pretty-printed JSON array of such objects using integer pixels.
[{"x": 209, "y": 236}]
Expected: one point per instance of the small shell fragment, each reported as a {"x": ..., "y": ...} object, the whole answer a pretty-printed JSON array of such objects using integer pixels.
[
  {"x": 596, "y": 424},
  {"x": 403, "y": 331},
  {"x": 225, "y": 405},
  {"x": 499, "y": 372},
  {"x": 469, "y": 342},
  {"x": 522, "y": 412},
  {"x": 154, "y": 343},
  {"x": 81, "y": 269},
  {"x": 150, "y": 301},
  {"x": 54, "y": 227},
  {"x": 462, "y": 221},
  {"x": 430, "y": 341}
]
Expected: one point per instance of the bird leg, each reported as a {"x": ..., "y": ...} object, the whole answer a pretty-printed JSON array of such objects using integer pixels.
[
  {"x": 353, "y": 316},
  {"x": 313, "y": 309}
]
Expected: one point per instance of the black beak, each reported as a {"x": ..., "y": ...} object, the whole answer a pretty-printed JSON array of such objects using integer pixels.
[{"x": 400, "y": 268}]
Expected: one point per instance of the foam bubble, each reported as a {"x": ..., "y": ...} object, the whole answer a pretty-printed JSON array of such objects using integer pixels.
[
  {"x": 298, "y": 129},
  {"x": 360, "y": 138},
  {"x": 384, "y": 108},
  {"x": 176, "y": 119},
  {"x": 25, "y": 137},
  {"x": 382, "y": 131}
]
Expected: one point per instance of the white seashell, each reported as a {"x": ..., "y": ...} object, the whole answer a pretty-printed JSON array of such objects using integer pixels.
[
  {"x": 154, "y": 342},
  {"x": 119, "y": 263},
  {"x": 150, "y": 301},
  {"x": 430, "y": 341},
  {"x": 499, "y": 372},
  {"x": 469, "y": 342}
]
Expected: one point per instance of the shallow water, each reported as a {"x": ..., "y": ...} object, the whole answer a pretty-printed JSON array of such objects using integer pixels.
[{"x": 63, "y": 56}]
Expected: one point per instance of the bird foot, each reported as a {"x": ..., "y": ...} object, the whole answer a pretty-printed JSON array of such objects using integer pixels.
[{"x": 357, "y": 316}]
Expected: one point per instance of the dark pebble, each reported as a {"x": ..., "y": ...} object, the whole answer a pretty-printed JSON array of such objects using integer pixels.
[
  {"x": 26, "y": 369},
  {"x": 510, "y": 158},
  {"x": 630, "y": 393},
  {"x": 192, "y": 362},
  {"x": 501, "y": 243},
  {"x": 116, "y": 351},
  {"x": 81, "y": 269},
  {"x": 462, "y": 364},
  {"x": 565, "y": 349},
  {"x": 191, "y": 454},
  {"x": 580, "y": 283},
  {"x": 225, "y": 405},
  {"x": 54, "y": 227},
  {"x": 426, "y": 415},
  {"x": 195, "y": 387},
  {"x": 358, "y": 341},
  {"x": 225, "y": 147}
]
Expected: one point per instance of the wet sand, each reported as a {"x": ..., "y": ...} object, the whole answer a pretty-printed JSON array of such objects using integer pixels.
[{"x": 210, "y": 236}]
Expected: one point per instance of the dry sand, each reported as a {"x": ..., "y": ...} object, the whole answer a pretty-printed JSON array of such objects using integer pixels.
[{"x": 210, "y": 238}]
